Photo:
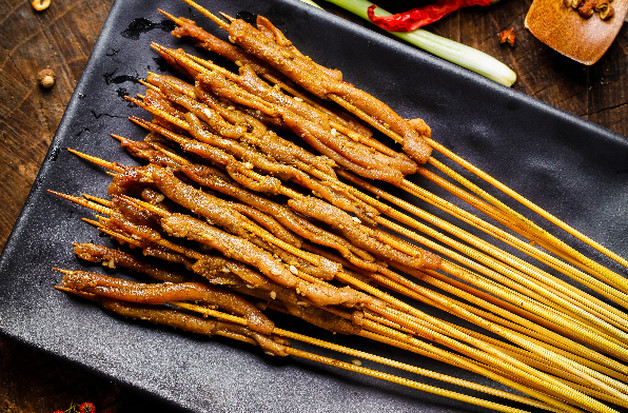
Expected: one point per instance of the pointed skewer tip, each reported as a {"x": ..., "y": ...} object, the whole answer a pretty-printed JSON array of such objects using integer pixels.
[
  {"x": 175, "y": 19},
  {"x": 64, "y": 196},
  {"x": 64, "y": 271},
  {"x": 226, "y": 16}
]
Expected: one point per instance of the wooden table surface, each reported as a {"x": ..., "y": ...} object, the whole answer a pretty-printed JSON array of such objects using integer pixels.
[{"x": 61, "y": 39}]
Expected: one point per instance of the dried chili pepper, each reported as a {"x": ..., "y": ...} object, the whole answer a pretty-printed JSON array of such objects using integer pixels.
[
  {"x": 420, "y": 16},
  {"x": 87, "y": 408},
  {"x": 507, "y": 36}
]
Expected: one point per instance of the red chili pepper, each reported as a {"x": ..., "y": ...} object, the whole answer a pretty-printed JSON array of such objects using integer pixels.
[
  {"x": 507, "y": 36},
  {"x": 87, "y": 408},
  {"x": 420, "y": 16}
]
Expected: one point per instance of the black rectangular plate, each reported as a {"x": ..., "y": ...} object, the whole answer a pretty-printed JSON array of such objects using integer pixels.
[{"x": 571, "y": 167}]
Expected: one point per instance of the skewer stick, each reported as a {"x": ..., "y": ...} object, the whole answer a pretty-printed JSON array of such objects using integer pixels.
[
  {"x": 103, "y": 200},
  {"x": 384, "y": 334},
  {"x": 371, "y": 357},
  {"x": 618, "y": 281},
  {"x": 100, "y": 162},
  {"x": 599, "y": 286},
  {"x": 178, "y": 122},
  {"x": 98, "y": 200},
  {"x": 519, "y": 324},
  {"x": 151, "y": 208},
  {"x": 508, "y": 319},
  {"x": 591, "y": 303},
  {"x": 388, "y": 335},
  {"x": 221, "y": 23},
  {"x": 84, "y": 202},
  {"x": 508, "y": 219},
  {"x": 539, "y": 235},
  {"x": 527, "y": 357},
  {"x": 453, "y": 331},
  {"x": 519, "y": 282},
  {"x": 524, "y": 201},
  {"x": 433, "y": 335}
]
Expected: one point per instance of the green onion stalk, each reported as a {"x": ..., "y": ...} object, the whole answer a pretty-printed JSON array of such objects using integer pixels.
[
  {"x": 450, "y": 50},
  {"x": 311, "y": 3}
]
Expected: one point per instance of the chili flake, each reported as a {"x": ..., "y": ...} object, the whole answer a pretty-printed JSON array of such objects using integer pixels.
[
  {"x": 507, "y": 36},
  {"x": 87, "y": 408}
]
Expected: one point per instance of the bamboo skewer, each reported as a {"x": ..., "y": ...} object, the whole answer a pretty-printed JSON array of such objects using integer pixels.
[
  {"x": 104, "y": 163},
  {"x": 508, "y": 215},
  {"x": 180, "y": 124},
  {"x": 587, "y": 301},
  {"x": 593, "y": 283},
  {"x": 603, "y": 344},
  {"x": 524, "y": 201},
  {"x": 388, "y": 335},
  {"x": 511, "y": 321},
  {"x": 381, "y": 360},
  {"x": 535, "y": 330},
  {"x": 147, "y": 205},
  {"x": 410, "y": 187},
  {"x": 531, "y": 288},
  {"x": 208, "y": 312},
  {"x": 526, "y": 227}
]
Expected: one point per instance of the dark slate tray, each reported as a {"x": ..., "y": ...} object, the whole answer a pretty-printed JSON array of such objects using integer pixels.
[{"x": 569, "y": 166}]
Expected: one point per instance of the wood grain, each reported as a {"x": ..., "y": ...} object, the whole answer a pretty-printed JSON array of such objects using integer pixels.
[{"x": 62, "y": 37}]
